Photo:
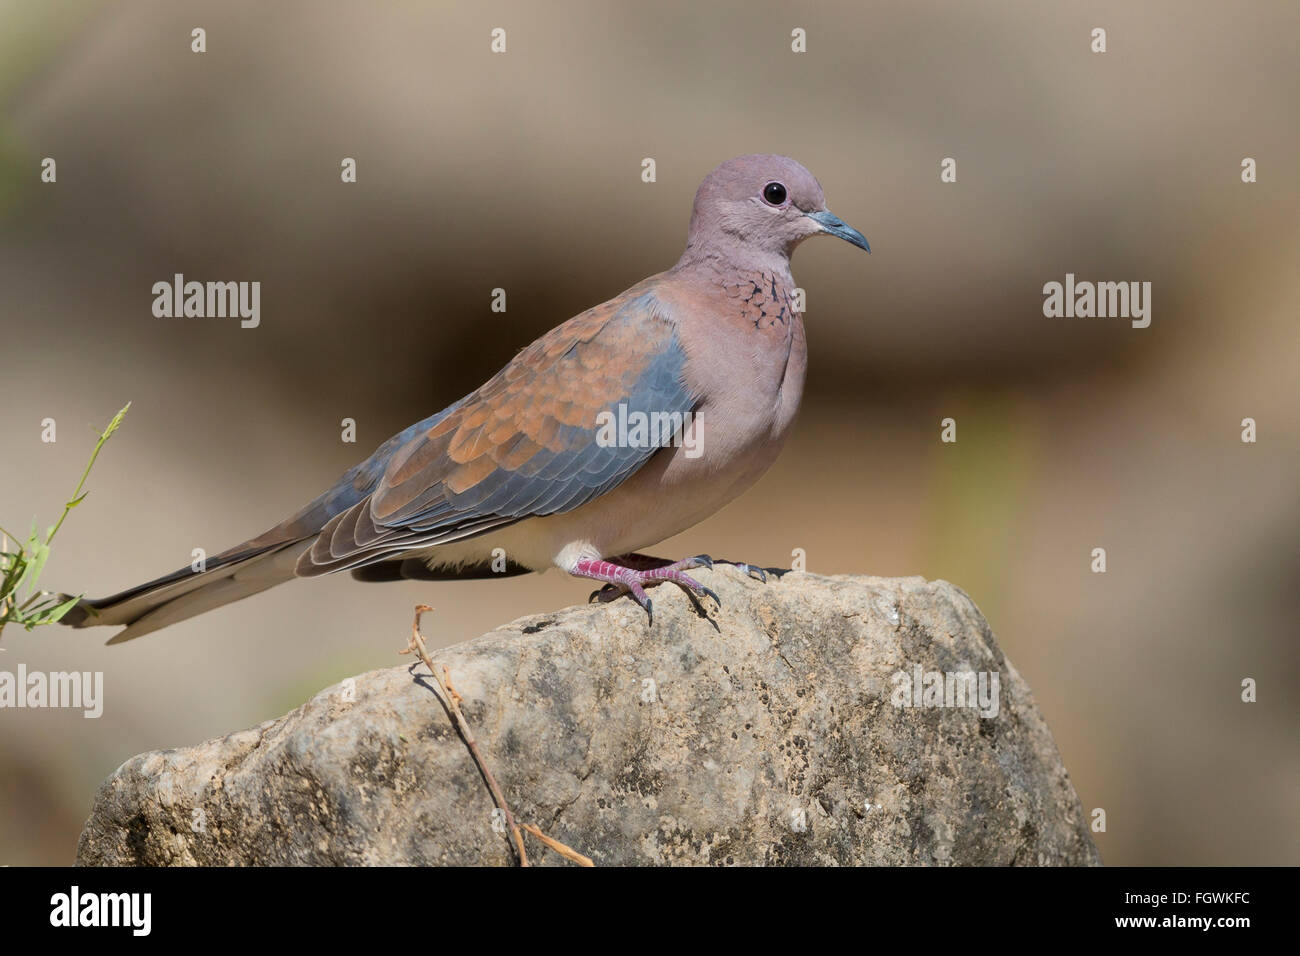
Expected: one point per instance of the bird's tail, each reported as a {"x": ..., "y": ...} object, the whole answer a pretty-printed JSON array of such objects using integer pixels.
[{"x": 228, "y": 577}]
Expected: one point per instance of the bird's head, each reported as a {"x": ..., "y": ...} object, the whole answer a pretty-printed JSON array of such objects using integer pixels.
[{"x": 761, "y": 206}]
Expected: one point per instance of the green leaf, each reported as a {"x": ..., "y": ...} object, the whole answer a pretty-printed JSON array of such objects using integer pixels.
[
  {"x": 40, "y": 551},
  {"x": 22, "y": 568},
  {"x": 62, "y": 609}
]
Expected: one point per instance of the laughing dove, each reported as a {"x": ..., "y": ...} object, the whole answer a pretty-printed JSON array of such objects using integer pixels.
[{"x": 622, "y": 427}]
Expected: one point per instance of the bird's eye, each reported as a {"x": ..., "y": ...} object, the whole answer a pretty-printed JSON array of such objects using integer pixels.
[{"x": 774, "y": 194}]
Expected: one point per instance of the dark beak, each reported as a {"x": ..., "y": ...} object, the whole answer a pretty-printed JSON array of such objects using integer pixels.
[{"x": 836, "y": 226}]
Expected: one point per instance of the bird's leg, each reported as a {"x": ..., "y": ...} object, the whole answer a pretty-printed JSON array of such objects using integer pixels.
[
  {"x": 644, "y": 562},
  {"x": 648, "y": 562},
  {"x": 634, "y": 580}
]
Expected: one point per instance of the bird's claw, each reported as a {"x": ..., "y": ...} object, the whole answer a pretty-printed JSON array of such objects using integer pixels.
[
  {"x": 755, "y": 572},
  {"x": 606, "y": 593},
  {"x": 694, "y": 588}
]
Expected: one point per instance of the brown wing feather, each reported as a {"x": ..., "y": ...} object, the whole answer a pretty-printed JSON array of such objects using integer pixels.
[{"x": 523, "y": 443}]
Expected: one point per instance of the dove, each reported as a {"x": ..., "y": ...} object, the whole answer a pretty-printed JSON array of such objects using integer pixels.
[{"x": 622, "y": 427}]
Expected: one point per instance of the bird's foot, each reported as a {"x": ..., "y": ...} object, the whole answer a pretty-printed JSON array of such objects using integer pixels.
[
  {"x": 643, "y": 562},
  {"x": 622, "y": 579}
]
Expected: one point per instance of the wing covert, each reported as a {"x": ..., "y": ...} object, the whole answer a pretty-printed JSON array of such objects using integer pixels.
[{"x": 525, "y": 443}]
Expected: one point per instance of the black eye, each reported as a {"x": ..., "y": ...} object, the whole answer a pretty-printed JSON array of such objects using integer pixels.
[{"x": 774, "y": 193}]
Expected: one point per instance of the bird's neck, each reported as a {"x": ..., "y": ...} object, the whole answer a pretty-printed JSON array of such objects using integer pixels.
[
  {"x": 721, "y": 263},
  {"x": 756, "y": 294}
]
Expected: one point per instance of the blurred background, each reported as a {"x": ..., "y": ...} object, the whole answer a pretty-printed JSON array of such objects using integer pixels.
[{"x": 522, "y": 171}]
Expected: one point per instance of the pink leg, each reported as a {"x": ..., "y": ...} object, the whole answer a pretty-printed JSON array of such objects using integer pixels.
[
  {"x": 645, "y": 562},
  {"x": 632, "y": 581}
]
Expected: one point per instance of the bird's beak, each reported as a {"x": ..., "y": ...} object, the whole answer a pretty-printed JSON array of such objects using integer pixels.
[{"x": 836, "y": 226}]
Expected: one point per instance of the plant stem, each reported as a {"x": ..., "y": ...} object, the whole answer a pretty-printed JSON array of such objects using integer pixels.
[{"x": 76, "y": 495}]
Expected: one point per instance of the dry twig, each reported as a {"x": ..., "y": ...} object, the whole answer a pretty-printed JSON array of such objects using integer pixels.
[
  {"x": 567, "y": 852},
  {"x": 451, "y": 700}
]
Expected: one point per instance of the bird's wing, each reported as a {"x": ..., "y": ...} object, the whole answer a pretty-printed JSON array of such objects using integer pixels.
[{"x": 524, "y": 444}]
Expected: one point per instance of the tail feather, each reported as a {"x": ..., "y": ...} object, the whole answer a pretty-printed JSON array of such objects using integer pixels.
[
  {"x": 246, "y": 569},
  {"x": 186, "y": 593}
]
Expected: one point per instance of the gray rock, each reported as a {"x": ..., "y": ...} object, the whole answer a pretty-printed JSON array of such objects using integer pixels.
[{"x": 775, "y": 737}]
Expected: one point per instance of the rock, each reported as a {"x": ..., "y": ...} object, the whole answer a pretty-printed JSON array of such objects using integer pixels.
[{"x": 771, "y": 735}]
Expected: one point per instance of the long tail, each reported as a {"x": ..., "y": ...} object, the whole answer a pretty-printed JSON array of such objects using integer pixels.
[
  {"x": 229, "y": 577},
  {"x": 259, "y": 563},
  {"x": 246, "y": 569}
]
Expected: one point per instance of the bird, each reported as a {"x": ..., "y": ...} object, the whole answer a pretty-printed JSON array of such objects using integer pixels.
[{"x": 615, "y": 430}]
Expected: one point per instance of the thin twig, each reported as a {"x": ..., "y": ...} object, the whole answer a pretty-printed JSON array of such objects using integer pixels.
[
  {"x": 451, "y": 700},
  {"x": 567, "y": 852}
]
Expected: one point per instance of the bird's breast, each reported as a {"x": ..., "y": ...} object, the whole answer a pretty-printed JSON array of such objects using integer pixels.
[
  {"x": 746, "y": 358},
  {"x": 745, "y": 361}
]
